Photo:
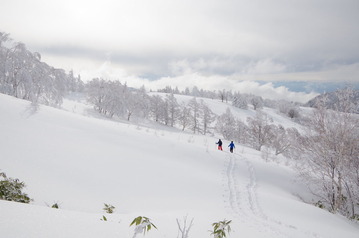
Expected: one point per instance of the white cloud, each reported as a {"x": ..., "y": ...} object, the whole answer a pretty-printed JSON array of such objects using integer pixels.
[
  {"x": 265, "y": 66},
  {"x": 189, "y": 78},
  {"x": 222, "y": 82},
  {"x": 181, "y": 39}
]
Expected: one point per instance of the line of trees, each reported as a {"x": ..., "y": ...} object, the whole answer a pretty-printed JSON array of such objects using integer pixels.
[
  {"x": 256, "y": 132},
  {"x": 330, "y": 148},
  {"x": 24, "y": 75},
  {"x": 239, "y": 100},
  {"x": 112, "y": 98}
]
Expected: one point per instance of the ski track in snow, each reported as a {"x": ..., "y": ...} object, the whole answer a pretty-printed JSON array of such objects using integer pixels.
[{"x": 242, "y": 199}]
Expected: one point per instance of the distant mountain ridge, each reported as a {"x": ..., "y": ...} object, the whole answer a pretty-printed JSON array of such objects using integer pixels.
[{"x": 332, "y": 100}]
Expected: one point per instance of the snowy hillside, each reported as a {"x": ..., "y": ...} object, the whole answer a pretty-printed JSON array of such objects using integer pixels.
[{"x": 81, "y": 162}]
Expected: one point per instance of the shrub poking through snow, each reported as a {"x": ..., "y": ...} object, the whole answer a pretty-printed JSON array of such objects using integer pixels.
[
  {"x": 11, "y": 189},
  {"x": 221, "y": 228},
  {"x": 143, "y": 224},
  {"x": 109, "y": 208}
]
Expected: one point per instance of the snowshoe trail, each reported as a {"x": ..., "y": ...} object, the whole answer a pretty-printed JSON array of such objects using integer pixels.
[{"x": 242, "y": 198}]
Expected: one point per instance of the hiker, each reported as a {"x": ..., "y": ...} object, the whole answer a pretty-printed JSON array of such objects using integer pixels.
[
  {"x": 219, "y": 143},
  {"x": 231, "y": 146}
]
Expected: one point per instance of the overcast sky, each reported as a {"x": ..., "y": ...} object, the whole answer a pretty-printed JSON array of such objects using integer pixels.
[{"x": 208, "y": 43}]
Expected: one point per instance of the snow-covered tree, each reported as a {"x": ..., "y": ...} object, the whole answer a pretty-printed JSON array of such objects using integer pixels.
[
  {"x": 288, "y": 108},
  {"x": 240, "y": 101},
  {"x": 196, "y": 92},
  {"x": 195, "y": 112},
  {"x": 241, "y": 132},
  {"x": 330, "y": 147},
  {"x": 223, "y": 95},
  {"x": 173, "y": 109},
  {"x": 260, "y": 130},
  {"x": 143, "y": 102},
  {"x": 184, "y": 116},
  {"x": 23, "y": 75},
  {"x": 226, "y": 125},
  {"x": 96, "y": 92},
  {"x": 130, "y": 102},
  {"x": 207, "y": 117},
  {"x": 257, "y": 102},
  {"x": 157, "y": 108},
  {"x": 282, "y": 138}
]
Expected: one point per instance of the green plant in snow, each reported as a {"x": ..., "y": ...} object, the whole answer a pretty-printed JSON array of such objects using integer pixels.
[
  {"x": 109, "y": 208},
  {"x": 143, "y": 224},
  {"x": 355, "y": 217},
  {"x": 11, "y": 189},
  {"x": 221, "y": 228},
  {"x": 320, "y": 204},
  {"x": 104, "y": 218}
]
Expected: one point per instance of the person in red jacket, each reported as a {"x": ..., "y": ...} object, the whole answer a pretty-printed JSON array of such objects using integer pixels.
[{"x": 219, "y": 143}]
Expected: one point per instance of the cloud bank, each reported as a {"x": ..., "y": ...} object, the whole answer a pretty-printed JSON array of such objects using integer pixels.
[
  {"x": 225, "y": 41},
  {"x": 189, "y": 79}
]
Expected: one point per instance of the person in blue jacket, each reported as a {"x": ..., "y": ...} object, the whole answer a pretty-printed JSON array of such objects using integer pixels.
[{"x": 231, "y": 146}]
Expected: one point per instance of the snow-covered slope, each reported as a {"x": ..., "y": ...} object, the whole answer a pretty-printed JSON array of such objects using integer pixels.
[
  {"x": 218, "y": 107},
  {"x": 83, "y": 162}
]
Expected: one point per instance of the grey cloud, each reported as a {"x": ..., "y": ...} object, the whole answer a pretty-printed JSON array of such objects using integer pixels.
[{"x": 233, "y": 37}]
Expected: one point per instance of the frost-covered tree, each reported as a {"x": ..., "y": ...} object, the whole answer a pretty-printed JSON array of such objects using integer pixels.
[
  {"x": 96, "y": 92},
  {"x": 196, "y": 92},
  {"x": 157, "y": 108},
  {"x": 195, "y": 111},
  {"x": 110, "y": 98},
  {"x": 288, "y": 108},
  {"x": 260, "y": 130},
  {"x": 223, "y": 95},
  {"x": 226, "y": 125},
  {"x": 143, "y": 102},
  {"x": 173, "y": 109},
  {"x": 129, "y": 103},
  {"x": 330, "y": 147},
  {"x": 257, "y": 102},
  {"x": 241, "y": 132},
  {"x": 207, "y": 117},
  {"x": 184, "y": 116},
  {"x": 23, "y": 75},
  {"x": 240, "y": 101},
  {"x": 293, "y": 113},
  {"x": 282, "y": 138},
  {"x": 75, "y": 84},
  {"x": 270, "y": 103}
]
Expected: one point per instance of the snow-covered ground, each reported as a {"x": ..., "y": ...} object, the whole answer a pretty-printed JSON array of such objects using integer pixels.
[{"x": 80, "y": 161}]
